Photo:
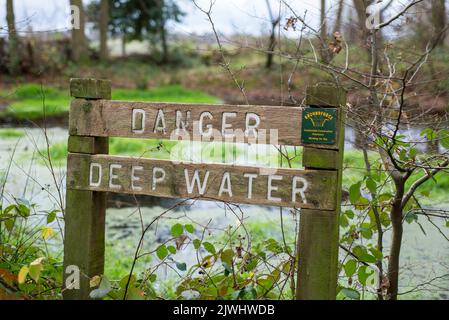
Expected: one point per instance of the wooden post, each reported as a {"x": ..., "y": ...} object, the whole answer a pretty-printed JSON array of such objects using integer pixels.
[
  {"x": 85, "y": 210},
  {"x": 319, "y": 229}
]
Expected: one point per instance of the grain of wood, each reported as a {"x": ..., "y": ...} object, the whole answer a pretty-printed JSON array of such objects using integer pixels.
[
  {"x": 175, "y": 182},
  {"x": 103, "y": 118}
]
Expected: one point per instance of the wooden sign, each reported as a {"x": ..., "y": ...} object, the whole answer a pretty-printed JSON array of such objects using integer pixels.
[
  {"x": 316, "y": 190},
  {"x": 198, "y": 122},
  {"x": 237, "y": 184}
]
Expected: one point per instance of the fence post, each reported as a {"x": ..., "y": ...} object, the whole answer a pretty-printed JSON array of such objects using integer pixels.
[
  {"x": 84, "y": 234},
  {"x": 319, "y": 229}
]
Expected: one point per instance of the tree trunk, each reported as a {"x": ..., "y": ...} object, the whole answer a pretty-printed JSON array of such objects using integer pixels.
[
  {"x": 79, "y": 43},
  {"x": 13, "y": 41},
  {"x": 104, "y": 22},
  {"x": 164, "y": 43},
  {"x": 123, "y": 45},
  {"x": 439, "y": 20},
  {"x": 337, "y": 25},
  {"x": 396, "y": 243},
  {"x": 360, "y": 9},
  {"x": 271, "y": 46},
  {"x": 272, "y": 41},
  {"x": 324, "y": 52}
]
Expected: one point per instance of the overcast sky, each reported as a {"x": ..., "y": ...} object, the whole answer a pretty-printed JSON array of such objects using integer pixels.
[
  {"x": 230, "y": 16},
  {"x": 247, "y": 16}
]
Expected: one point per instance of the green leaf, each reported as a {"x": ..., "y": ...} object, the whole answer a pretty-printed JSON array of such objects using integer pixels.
[
  {"x": 177, "y": 230},
  {"x": 227, "y": 255},
  {"x": 350, "y": 267},
  {"x": 411, "y": 217},
  {"x": 196, "y": 243},
  {"x": 51, "y": 216},
  {"x": 371, "y": 185},
  {"x": 162, "y": 252},
  {"x": 349, "y": 214},
  {"x": 35, "y": 269},
  {"x": 444, "y": 138},
  {"x": 172, "y": 249},
  {"x": 9, "y": 224},
  {"x": 209, "y": 247},
  {"x": 376, "y": 253},
  {"x": 354, "y": 192},
  {"x": 153, "y": 277},
  {"x": 363, "y": 274},
  {"x": 23, "y": 210},
  {"x": 367, "y": 258},
  {"x": 189, "y": 228},
  {"x": 124, "y": 281},
  {"x": 350, "y": 293},
  {"x": 181, "y": 266},
  {"x": 344, "y": 222},
  {"x": 429, "y": 133}
]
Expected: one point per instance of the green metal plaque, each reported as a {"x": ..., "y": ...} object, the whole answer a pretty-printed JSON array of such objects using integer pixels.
[{"x": 319, "y": 125}]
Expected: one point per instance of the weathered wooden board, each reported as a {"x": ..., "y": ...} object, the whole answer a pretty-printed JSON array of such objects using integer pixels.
[
  {"x": 245, "y": 124},
  {"x": 236, "y": 184}
]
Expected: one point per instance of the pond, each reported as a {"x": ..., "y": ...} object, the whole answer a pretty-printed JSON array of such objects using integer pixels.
[{"x": 425, "y": 254}]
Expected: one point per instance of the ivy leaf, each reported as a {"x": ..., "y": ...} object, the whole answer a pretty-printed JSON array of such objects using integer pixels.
[
  {"x": 162, "y": 252},
  {"x": 177, "y": 230},
  {"x": 209, "y": 247}
]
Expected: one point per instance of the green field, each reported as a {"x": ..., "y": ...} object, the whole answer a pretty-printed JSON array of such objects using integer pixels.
[{"x": 32, "y": 101}]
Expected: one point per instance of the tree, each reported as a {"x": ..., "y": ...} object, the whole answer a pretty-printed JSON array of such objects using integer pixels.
[
  {"x": 274, "y": 21},
  {"x": 79, "y": 41},
  {"x": 139, "y": 20},
  {"x": 439, "y": 21},
  {"x": 104, "y": 21},
  {"x": 14, "y": 60},
  {"x": 323, "y": 33},
  {"x": 337, "y": 25}
]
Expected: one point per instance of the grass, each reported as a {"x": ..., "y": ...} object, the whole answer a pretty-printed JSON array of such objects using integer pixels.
[
  {"x": 26, "y": 102},
  {"x": 11, "y": 133}
]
